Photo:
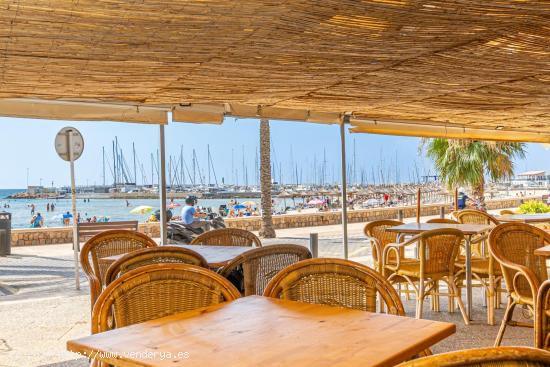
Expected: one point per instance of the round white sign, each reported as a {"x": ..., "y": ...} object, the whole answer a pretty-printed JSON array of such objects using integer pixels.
[{"x": 69, "y": 136}]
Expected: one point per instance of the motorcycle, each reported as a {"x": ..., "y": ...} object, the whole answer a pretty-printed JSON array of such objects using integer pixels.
[{"x": 180, "y": 232}]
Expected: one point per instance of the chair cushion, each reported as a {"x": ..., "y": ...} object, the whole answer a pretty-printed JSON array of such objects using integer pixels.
[{"x": 480, "y": 266}]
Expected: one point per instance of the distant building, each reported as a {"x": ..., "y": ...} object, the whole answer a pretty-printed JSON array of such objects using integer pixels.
[{"x": 532, "y": 179}]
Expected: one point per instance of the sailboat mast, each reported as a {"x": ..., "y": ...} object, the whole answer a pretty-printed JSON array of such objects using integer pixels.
[
  {"x": 244, "y": 173},
  {"x": 103, "y": 152},
  {"x": 152, "y": 171},
  {"x": 194, "y": 167},
  {"x": 181, "y": 167},
  {"x": 135, "y": 167},
  {"x": 114, "y": 165},
  {"x": 208, "y": 163}
]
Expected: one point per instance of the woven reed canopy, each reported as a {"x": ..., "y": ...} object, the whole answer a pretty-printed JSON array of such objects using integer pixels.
[{"x": 466, "y": 64}]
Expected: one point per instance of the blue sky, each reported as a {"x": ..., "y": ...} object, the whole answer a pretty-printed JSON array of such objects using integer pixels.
[{"x": 28, "y": 144}]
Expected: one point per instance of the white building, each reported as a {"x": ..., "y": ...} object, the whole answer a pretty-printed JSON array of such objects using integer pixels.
[{"x": 532, "y": 179}]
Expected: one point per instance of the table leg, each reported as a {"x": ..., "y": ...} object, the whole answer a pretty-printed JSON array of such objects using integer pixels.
[{"x": 469, "y": 277}]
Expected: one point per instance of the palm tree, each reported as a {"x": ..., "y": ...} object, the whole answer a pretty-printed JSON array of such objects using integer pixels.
[
  {"x": 266, "y": 229},
  {"x": 469, "y": 162}
]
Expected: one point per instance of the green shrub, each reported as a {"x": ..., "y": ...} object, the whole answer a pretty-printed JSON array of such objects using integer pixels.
[{"x": 533, "y": 207}]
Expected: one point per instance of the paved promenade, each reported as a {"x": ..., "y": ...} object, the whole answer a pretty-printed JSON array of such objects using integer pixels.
[{"x": 45, "y": 310}]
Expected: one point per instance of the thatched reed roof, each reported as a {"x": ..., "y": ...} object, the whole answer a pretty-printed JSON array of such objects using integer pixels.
[{"x": 474, "y": 64}]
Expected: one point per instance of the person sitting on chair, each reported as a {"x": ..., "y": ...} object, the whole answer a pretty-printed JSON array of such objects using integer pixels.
[{"x": 191, "y": 217}]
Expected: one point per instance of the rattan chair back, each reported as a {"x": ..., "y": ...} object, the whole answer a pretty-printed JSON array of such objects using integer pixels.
[
  {"x": 542, "y": 317},
  {"x": 473, "y": 216},
  {"x": 228, "y": 237},
  {"x": 105, "y": 244},
  {"x": 438, "y": 249},
  {"x": 379, "y": 237},
  {"x": 153, "y": 291},
  {"x": 485, "y": 357},
  {"x": 335, "y": 282},
  {"x": 255, "y": 268},
  {"x": 153, "y": 255},
  {"x": 513, "y": 246}
]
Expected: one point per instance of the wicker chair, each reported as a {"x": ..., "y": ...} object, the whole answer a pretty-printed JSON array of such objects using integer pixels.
[
  {"x": 154, "y": 291},
  {"x": 473, "y": 216},
  {"x": 542, "y": 317},
  {"x": 376, "y": 232},
  {"x": 435, "y": 298},
  {"x": 334, "y": 282},
  {"x": 228, "y": 237},
  {"x": 437, "y": 252},
  {"x": 484, "y": 267},
  {"x": 379, "y": 237},
  {"x": 485, "y": 357},
  {"x": 153, "y": 255},
  {"x": 252, "y": 271},
  {"x": 513, "y": 246},
  {"x": 105, "y": 244}
]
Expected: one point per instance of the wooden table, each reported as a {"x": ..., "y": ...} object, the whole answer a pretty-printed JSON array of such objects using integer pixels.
[
  {"x": 469, "y": 231},
  {"x": 525, "y": 218},
  {"x": 258, "y": 331},
  {"x": 216, "y": 256}
]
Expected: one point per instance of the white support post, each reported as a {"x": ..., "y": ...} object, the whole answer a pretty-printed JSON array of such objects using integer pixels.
[
  {"x": 162, "y": 187},
  {"x": 344, "y": 187},
  {"x": 76, "y": 245}
]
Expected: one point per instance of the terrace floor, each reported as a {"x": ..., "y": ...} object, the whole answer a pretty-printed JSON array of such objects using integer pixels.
[{"x": 40, "y": 309}]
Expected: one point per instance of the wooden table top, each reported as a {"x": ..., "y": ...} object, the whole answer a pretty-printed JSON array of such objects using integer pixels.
[
  {"x": 414, "y": 228},
  {"x": 543, "y": 251},
  {"x": 260, "y": 331},
  {"x": 216, "y": 256},
  {"x": 524, "y": 218}
]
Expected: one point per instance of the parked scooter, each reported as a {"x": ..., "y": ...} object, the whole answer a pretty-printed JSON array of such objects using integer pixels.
[{"x": 180, "y": 232}]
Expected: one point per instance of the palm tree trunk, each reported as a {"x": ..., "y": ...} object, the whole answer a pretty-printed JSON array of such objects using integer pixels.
[
  {"x": 266, "y": 230},
  {"x": 479, "y": 195}
]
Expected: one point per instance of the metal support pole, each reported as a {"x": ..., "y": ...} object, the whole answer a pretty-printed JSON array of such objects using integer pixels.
[
  {"x": 314, "y": 244},
  {"x": 162, "y": 187},
  {"x": 442, "y": 212},
  {"x": 76, "y": 245},
  {"x": 418, "y": 198},
  {"x": 344, "y": 187},
  {"x": 400, "y": 215}
]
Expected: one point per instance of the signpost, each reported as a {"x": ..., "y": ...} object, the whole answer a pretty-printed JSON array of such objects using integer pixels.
[{"x": 69, "y": 145}]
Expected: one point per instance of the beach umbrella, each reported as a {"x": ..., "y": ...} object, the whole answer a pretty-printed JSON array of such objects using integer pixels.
[
  {"x": 173, "y": 205},
  {"x": 250, "y": 203},
  {"x": 142, "y": 209},
  {"x": 239, "y": 206},
  {"x": 315, "y": 202}
]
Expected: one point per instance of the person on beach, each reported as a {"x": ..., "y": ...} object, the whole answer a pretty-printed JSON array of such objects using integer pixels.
[
  {"x": 192, "y": 218},
  {"x": 32, "y": 209},
  {"x": 67, "y": 218},
  {"x": 37, "y": 221},
  {"x": 52, "y": 207},
  {"x": 462, "y": 198},
  {"x": 48, "y": 207}
]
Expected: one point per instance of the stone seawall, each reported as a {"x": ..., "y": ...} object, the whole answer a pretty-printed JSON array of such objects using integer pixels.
[
  {"x": 358, "y": 216},
  {"x": 53, "y": 235}
]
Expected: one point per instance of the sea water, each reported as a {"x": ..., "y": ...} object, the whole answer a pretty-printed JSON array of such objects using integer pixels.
[{"x": 114, "y": 209}]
